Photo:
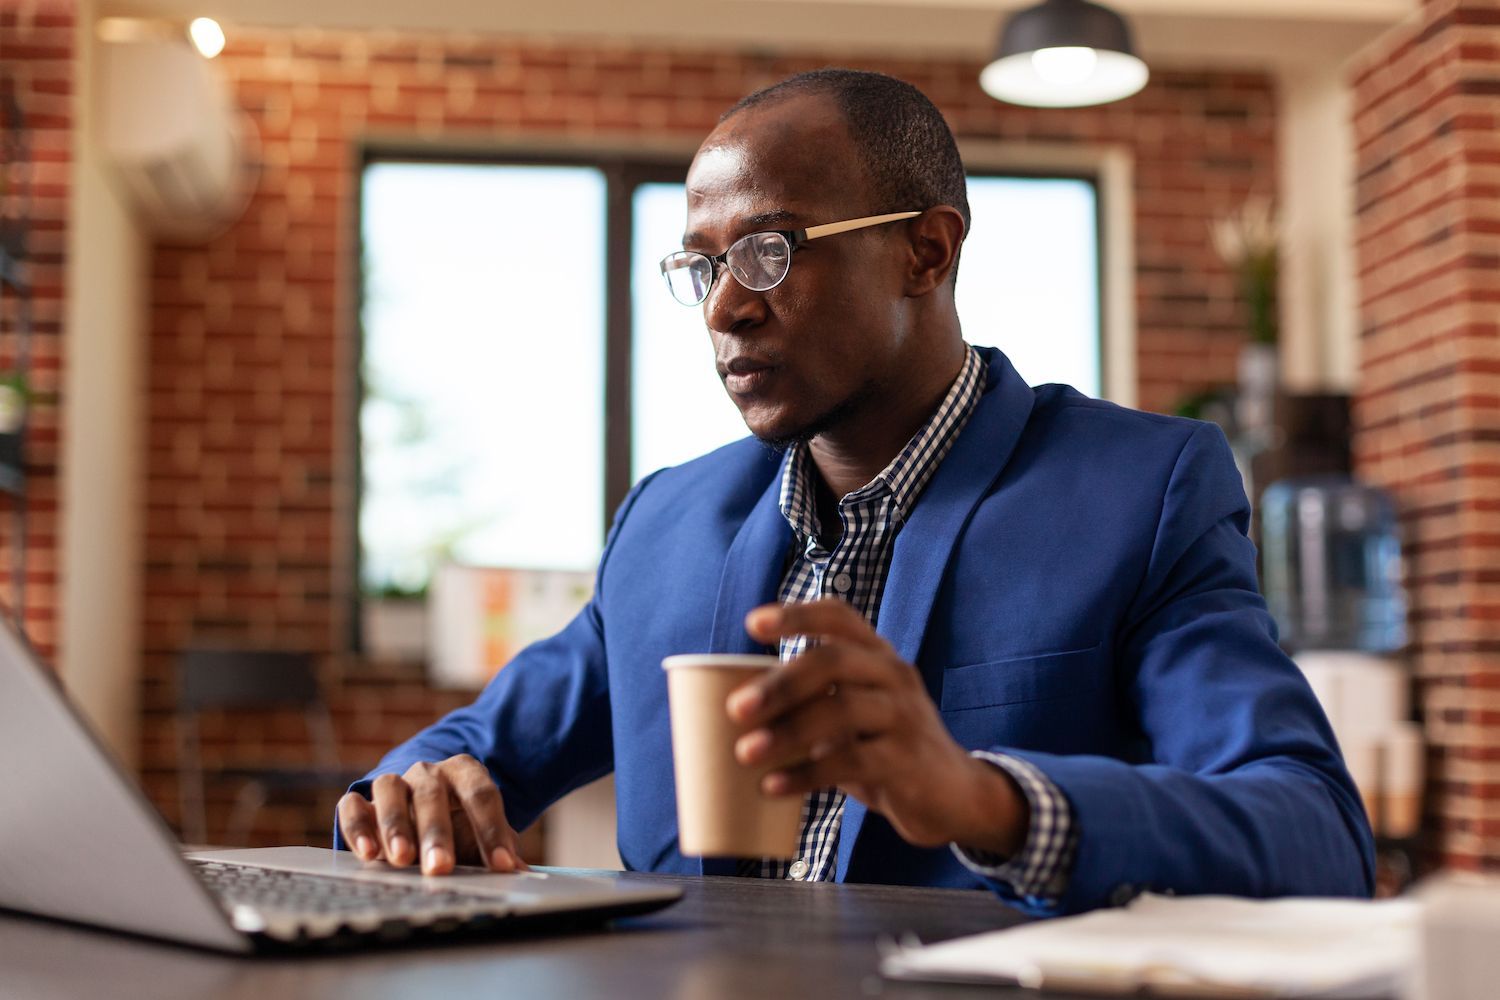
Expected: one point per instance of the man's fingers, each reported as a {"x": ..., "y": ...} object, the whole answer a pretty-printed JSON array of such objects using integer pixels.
[
  {"x": 816, "y": 728},
  {"x": 431, "y": 809},
  {"x": 435, "y": 814},
  {"x": 357, "y": 824},
  {"x": 812, "y": 675},
  {"x": 485, "y": 812},
  {"x": 392, "y": 798},
  {"x": 829, "y": 618},
  {"x": 849, "y": 765}
]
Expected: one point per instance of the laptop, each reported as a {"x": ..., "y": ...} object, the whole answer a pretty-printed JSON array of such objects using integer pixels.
[{"x": 78, "y": 842}]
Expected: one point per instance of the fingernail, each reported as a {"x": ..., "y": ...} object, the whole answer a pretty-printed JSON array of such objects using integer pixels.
[
  {"x": 773, "y": 783},
  {"x": 364, "y": 847},
  {"x": 398, "y": 849},
  {"x": 437, "y": 858},
  {"x": 501, "y": 860},
  {"x": 745, "y": 701},
  {"x": 763, "y": 618},
  {"x": 750, "y": 747}
]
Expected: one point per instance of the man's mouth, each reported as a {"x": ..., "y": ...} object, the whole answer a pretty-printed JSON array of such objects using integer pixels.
[{"x": 745, "y": 375}]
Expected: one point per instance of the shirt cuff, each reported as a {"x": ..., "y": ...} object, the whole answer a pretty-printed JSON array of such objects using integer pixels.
[{"x": 1040, "y": 869}]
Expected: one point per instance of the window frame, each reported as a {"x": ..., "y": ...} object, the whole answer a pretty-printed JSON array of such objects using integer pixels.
[
  {"x": 1101, "y": 272},
  {"x": 1111, "y": 168},
  {"x": 622, "y": 173}
]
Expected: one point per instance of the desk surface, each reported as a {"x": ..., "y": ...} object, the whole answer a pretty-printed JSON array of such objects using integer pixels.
[{"x": 727, "y": 938}]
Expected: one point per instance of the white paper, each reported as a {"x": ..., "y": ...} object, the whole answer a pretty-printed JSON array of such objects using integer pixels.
[{"x": 1219, "y": 944}]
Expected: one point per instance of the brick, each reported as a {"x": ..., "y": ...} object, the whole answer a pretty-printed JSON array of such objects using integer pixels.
[{"x": 1427, "y": 422}]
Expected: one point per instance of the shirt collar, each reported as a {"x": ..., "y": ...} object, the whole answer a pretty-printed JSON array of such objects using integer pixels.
[{"x": 906, "y": 474}]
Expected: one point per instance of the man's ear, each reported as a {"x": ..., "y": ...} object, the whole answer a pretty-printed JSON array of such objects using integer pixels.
[{"x": 936, "y": 236}]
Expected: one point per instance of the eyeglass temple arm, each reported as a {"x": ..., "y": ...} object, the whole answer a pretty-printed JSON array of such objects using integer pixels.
[{"x": 833, "y": 228}]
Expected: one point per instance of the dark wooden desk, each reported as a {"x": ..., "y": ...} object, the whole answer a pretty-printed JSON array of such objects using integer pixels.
[{"x": 727, "y": 938}]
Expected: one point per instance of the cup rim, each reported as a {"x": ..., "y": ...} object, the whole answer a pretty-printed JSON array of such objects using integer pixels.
[{"x": 722, "y": 661}]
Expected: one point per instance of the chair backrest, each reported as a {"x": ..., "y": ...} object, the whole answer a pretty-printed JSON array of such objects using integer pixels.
[
  {"x": 246, "y": 678},
  {"x": 226, "y": 678}
]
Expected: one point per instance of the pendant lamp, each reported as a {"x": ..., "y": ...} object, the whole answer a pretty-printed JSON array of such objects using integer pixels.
[{"x": 1064, "y": 54}]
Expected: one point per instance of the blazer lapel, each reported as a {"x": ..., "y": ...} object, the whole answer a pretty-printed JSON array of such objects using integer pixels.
[
  {"x": 752, "y": 577},
  {"x": 752, "y": 572},
  {"x": 926, "y": 541}
]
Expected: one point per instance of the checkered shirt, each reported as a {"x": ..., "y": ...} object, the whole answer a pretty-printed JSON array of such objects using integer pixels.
[{"x": 855, "y": 570}]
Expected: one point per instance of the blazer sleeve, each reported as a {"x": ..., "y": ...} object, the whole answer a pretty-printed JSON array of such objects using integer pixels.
[
  {"x": 542, "y": 725},
  {"x": 1245, "y": 792}
]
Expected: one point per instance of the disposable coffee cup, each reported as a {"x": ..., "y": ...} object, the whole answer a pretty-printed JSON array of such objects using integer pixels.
[{"x": 721, "y": 811}]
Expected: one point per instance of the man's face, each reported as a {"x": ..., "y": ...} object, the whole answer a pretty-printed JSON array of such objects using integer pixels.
[{"x": 821, "y": 348}]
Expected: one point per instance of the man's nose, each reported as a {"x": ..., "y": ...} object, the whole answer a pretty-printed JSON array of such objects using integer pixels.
[{"x": 730, "y": 306}]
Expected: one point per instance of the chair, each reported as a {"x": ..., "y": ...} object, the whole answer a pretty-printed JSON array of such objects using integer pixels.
[{"x": 217, "y": 679}]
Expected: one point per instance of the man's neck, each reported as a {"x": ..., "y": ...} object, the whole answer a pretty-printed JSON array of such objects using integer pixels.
[{"x": 854, "y": 453}]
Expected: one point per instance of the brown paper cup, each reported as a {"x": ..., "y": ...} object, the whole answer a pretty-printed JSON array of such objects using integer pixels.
[{"x": 720, "y": 809}]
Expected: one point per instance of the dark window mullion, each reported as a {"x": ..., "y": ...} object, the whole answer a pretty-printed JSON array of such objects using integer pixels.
[
  {"x": 617, "y": 338},
  {"x": 619, "y": 360}
]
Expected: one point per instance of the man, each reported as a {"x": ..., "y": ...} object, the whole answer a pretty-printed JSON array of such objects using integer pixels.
[{"x": 1025, "y": 646}]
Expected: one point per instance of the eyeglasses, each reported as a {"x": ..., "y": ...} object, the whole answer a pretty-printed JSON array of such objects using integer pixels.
[{"x": 759, "y": 261}]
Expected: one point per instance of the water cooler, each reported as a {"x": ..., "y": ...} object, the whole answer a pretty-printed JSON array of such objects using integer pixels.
[{"x": 1331, "y": 560}]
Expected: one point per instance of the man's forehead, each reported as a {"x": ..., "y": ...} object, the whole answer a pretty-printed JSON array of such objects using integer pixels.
[
  {"x": 730, "y": 198},
  {"x": 784, "y": 165}
]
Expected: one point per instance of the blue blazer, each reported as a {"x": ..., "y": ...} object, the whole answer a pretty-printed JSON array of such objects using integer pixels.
[{"x": 1076, "y": 587}]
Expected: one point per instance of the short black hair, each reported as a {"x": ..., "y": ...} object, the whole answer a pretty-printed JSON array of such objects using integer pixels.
[{"x": 905, "y": 143}]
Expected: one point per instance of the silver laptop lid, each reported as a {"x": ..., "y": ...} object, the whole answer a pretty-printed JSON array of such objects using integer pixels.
[{"x": 77, "y": 840}]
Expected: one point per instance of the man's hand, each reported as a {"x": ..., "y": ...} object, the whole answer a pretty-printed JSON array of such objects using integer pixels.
[
  {"x": 850, "y": 713},
  {"x": 452, "y": 809}
]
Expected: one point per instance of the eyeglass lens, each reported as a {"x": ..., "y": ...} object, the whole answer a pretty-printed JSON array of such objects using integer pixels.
[
  {"x": 689, "y": 276},
  {"x": 758, "y": 261}
]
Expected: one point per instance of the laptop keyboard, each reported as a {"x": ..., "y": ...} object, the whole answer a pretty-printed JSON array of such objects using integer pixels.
[{"x": 286, "y": 904}]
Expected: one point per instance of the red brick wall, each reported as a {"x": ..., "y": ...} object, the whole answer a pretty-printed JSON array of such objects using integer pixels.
[
  {"x": 36, "y": 66},
  {"x": 1427, "y": 414},
  {"x": 247, "y": 510}
]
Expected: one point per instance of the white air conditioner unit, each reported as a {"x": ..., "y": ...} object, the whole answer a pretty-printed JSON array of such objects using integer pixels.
[{"x": 170, "y": 129}]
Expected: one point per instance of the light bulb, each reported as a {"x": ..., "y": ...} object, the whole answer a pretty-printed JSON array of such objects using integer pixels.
[
  {"x": 207, "y": 36},
  {"x": 1065, "y": 66}
]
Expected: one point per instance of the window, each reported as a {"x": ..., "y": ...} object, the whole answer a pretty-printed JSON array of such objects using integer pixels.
[
  {"x": 483, "y": 363},
  {"x": 672, "y": 361},
  {"x": 1028, "y": 279},
  {"x": 1028, "y": 284},
  {"x": 522, "y": 363}
]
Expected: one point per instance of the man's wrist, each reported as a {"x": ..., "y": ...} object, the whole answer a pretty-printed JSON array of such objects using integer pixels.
[{"x": 1000, "y": 817}]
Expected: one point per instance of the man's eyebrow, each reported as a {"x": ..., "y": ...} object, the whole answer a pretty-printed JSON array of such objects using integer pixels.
[
  {"x": 751, "y": 223},
  {"x": 769, "y": 218}
]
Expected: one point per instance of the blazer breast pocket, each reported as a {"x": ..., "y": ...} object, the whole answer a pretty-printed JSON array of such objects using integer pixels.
[{"x": 1022, "y": 679}]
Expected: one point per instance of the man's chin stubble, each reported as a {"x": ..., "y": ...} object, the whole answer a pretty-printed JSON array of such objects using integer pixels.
[{"x": 821, "y": 424}]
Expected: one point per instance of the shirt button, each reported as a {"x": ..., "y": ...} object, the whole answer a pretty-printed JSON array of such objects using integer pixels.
[
  {"x": 842, "y": 583},
  {"x": 798, "y": 870}
]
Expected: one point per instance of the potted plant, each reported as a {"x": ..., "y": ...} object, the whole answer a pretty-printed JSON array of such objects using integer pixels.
[
  {"x": 1247, "y": 242},
  {"x": 14, "y": 397}
]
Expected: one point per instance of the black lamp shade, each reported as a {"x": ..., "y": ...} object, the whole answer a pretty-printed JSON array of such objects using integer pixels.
[
  {"x": 1058, "y": 23},
  {"x": 1087, "y": 57}
]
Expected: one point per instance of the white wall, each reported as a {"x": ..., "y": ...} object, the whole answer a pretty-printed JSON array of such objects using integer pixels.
[
  {"x": 1319, "y": 322},
  {"x": 103, "y": 419},
  {"x": 580, "y": 828}
]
